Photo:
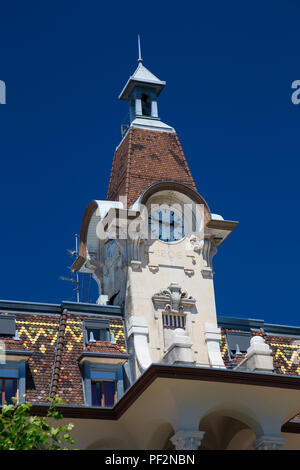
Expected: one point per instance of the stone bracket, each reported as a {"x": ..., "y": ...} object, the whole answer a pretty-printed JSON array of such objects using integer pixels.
[{"x": 138, "y": 328}]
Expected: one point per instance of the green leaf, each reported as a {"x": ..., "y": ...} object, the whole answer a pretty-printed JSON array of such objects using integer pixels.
[{"x": 21, "y": 431}]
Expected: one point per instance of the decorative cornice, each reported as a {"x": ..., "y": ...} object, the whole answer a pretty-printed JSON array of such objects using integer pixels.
[
  {"x": 156, "y": 371},
  {"x": 10, "y": 306}
]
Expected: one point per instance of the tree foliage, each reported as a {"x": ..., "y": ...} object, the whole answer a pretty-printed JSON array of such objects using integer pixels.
[{"x": 19, "y": 430}]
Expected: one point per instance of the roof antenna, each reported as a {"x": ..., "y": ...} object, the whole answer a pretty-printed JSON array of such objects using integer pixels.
[
  {"x": 74, "y": 281},
  {"x": 139, "y": 46}
]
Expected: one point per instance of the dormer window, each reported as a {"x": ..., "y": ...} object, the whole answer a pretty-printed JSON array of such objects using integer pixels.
[
  {"x": 7, "y": 325},
  {"x": 146, "y": 105},
  {"x": 238, "y": 342},
  {"x": 96, "y": 330},
  {"x": 97, "y": 334}
]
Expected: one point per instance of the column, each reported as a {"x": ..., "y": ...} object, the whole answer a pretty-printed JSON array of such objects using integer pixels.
[
  {"x": 138, "y": 106},
  {"x": 269, "y": 443},
  {"x": 154, "y": 111},
  {"x": 187, "y": 440}
]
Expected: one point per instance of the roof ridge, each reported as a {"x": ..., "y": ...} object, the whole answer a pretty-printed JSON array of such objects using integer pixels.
[
  {"x": 127, "y": 178},
  {"x": 184, "y": 159},
  {"x": 58, "y": 354}
]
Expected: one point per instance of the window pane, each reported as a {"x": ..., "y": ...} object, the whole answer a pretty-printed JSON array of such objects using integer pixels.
[
  {"x": 240, "y": 338},
  {"x": 92, "y": 335},
  {"x": 10, "y": 390},
  {"x": 96, "y": 394},
  {"x": 97, "y": 334},
  {"x": 109, "y": 393},
  {"x": 103, "y": 335}
]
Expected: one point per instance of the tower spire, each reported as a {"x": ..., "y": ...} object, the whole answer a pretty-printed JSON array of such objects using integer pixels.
[{"x": 139, "y": 48}]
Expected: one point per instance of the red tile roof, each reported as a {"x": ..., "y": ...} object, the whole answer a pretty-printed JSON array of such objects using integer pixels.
[
  {"x": 12, "y": 344},
  {"x": 286, "y": 353},
  {"x": 57, "y": 341},
  {"x": 145, "y": 157},
  {"x": 104, "y": 346}
]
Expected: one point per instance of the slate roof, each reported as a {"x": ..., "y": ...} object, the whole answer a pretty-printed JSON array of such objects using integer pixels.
[{"x": 144, "y": 77}]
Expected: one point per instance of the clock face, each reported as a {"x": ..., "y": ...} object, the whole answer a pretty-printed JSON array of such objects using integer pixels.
[{"x": 166, "y": 225}]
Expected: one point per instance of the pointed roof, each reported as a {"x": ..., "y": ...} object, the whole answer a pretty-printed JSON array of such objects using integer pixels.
[
  {"x": 142, "y": 76},
  {"x": 142, "y": 73},
  {"x": 143, "y": 158}
]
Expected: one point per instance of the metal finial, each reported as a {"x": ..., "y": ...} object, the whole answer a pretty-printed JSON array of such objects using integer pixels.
[{"x": 139, "y": 46}]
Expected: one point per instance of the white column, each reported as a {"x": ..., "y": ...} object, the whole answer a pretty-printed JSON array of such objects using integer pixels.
[
  {"x": 138, "y": 107},
  {"x": 269, "y": 443},
  {"x": 154, "y": 111},
  {"x": 187, "y": 440},
  {"x": 212, "y": 340}
]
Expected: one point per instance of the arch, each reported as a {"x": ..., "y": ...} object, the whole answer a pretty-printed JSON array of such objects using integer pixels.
[
  {"x": 223, "y": 423},
  {"x": 101, "y": 208},
  {"x": 160, "y": 433},
  {"x": 95, "y": 211},
  {"x": 171, "y": 185},
  {"x": 146, "y": 104},
  {"x": 293, "y": 412},
  {"x": 223, "y": 431},
  {"x": 242, "y": 440}
]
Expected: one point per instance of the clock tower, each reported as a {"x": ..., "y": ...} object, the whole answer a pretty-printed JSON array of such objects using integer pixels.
[{"x": 150, "y": 244}]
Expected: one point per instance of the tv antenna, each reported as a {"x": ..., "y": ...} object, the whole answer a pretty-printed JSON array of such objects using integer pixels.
[{"x": 73, "y": 253}]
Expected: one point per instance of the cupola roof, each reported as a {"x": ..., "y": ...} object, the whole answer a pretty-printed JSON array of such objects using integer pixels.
[{"x": 141, "y": 77}]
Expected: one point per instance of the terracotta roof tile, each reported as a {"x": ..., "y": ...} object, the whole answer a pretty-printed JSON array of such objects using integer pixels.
[
  {"x": 286, "y": 353},
  {"x": 104, "y": 346},
  {"x": 145, "y": 157},
  {"x": 12, "y": 344},
  {"x": 39, "y": 333}
]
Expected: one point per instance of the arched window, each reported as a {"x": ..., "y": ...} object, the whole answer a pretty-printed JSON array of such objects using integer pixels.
[{"x": 146, "y": 105}]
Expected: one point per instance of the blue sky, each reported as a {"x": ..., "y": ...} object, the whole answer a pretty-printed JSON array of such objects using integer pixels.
[{"x": 229, "y": 68}]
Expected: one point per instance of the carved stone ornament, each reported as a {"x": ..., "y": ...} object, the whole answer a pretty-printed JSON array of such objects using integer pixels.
[
  {"x": 187, "y": 440},
  {"x": 195, "y": 244},
  {"x": 174, "y": 298},
  {"x": 209, "y": 251}
]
